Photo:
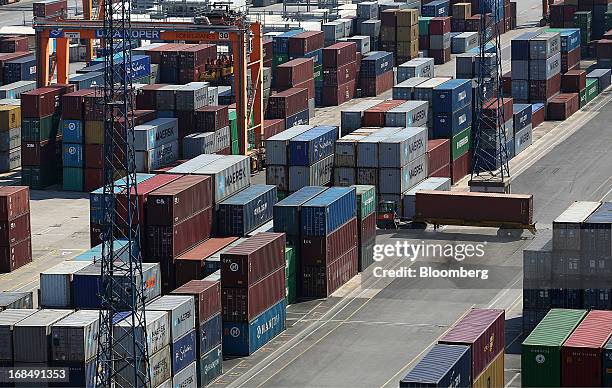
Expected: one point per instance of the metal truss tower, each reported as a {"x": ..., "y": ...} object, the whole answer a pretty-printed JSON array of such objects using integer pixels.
[{"x": 122, "y": 358}]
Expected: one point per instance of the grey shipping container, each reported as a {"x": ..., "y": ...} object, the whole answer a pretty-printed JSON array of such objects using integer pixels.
[
  {"x": 187, "y": 377},
  {"x": 192, "y": 96},
  {"x": 230, "y": 174},
  {"x": 399, "y": 180},
  {"x": 10, "y": 160},
  {"x": 433, "y": 183},
  {"x": 424, "y": 91},
  {"x": 544, "y": 45},
  {"x": 537, "y": 260},
  {"x": 362, "y": 42},
  {"x": 346, "y": 151},
  {"x": 367, "y": 148},
  {"x": 199, "y": 143},
  {"x": 409, "y": 114},
  {"x": 566, "y": 227},
  {"x": 402, "y": 147},
  {"x": 367, "y": 176},
  {"x": 345, "y": 176},
  {"x": 464, "y": 42},
  {"x": 277, "y": 147},
  {"x": 278, "y": 176},
  {"x": 244, "y": 212},
  {"x": 181, "y": 310},
  {"x": 464, "y": 65},
  {"x": 222, "y": 138},
  {"x": 440, "y": 42},
  {"x": 213, "y": 95},
  {"x": 371, "y": 28},
  {"x": 319, "y": 174},
  {"x": 405, "y": 89},
  {"x": 155, "y": 158},
  {"x": 75, "y": 338},
  {"x": 10, "y": 139},
  {"x": 195, "y": 163},
  {"x": 165, "y": 97},
  {"x": 14, "y": 90},
  {"x": 31, "y": 335},
  {"x": 544, "y": 69},
  {"x": 156, "y": 333},
  {"x": 8, "y": 319},
  {"x": 267, "y": 77},
  {"x": 56, "y": 284},
  {"x": 523, "y": 139},
  {"x": 443, "y": 366},
  {"x": 350, "y": 118},
  {"x": 15, "y": 300},
  {"x": 333, "y": 31},
  {"x": 520, "y": 69},
  {"x": 160, "y": 364},
  {"x": 155, "y": 133},
  {"x": 416, "y": 68}
]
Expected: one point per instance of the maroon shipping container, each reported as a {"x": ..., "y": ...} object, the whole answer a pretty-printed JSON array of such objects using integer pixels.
[
  {"x": 207, "y": 294},
  {"x": 483, "y": 331},
  {"x": 308, "y": 85},
  {"x": 570, "y": 60},
  {"x": 156, "y": 53},
  {"x": 287, "y": 103},
  {"x": 14, "y": 231},
  {"x": 442, "y": 172},
  {"x": 474, "y": 206},
  {"x": 306, "y": 42},
  {"x": 372, "y": 87},
  {"x": 321, "y": 282},
  {"x": 198, "y": 55},
  {"x": 93, "y": 107},
  {"x": 507, "y": 83},
  {"x": 573, "y": 81},
  {"x": 581, "y": 354},
  {"x": 562, "y": 106},
  {"x": 440, "y": 56},
  {"x": 253, "y": 259},
  {"x": 603, "y": 49},
  {"x": 94, "y": 156},
  {"x": 93, "y": 178},
  {"x": 146, "y": 97},
  {"x": 492, "y": 109},
  {"x": 72, "y": 104},
  {"x": 294, "y": 72},
  {"x": 367, "y": 229},
  {"x": 268, "y": 49},
  {"x": 339, "y": 54},
  {"x": 211, "y": 118},
  {"x": 190, "y": 265},
  {"x": 241, "y": 304},
  {"x": 544, "y": 90},
  {"x": 271, "y": 128},
  {"x": 340, "y": 75},
  {"x": 167, "y": 242},
  {"x": 34, "y": 153},
  {"x": 14, "y": 202},
  {"x": 42, "y": 9},
  {"x": 440, "y": 25},
  {"x": 14, "y": 44},
  {"x": 323, "y": 250},
  {"x": 40, "y": 102},
  {"x": 338, "y": 95},
  {"x": 179, "y": 200},
  {"x": 438, "y": 154},
  {"x": 537, "y": 117},
  {"x": 375, "y": 116},
  {"x": 461, "y": 167},
  {"x": 15, "y": 256}
]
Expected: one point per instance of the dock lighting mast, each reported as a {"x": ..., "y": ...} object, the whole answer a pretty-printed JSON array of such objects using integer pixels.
[
  {"x": 122, "y": 358},
  {"x": 490, "y": 171}
]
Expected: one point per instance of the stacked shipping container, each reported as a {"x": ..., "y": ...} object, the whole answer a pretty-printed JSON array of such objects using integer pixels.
[
  {"x": 10, "y": 137},
  {"x": 15, "y": 231},
  {"x": 366, "y": 225}
]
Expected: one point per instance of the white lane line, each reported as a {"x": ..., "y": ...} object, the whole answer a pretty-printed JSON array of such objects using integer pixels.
[{"x": 512, "y": 380}]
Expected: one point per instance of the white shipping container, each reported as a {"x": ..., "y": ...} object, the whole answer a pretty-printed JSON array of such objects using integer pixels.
[
  {"x": 157, "y": 332},
  {"x": 181, "y": 310},
  {"x": 147, "y": 161},
  {"x": 346, "y": 151},
  {"x": 230, "y": 174},
  {"x": 187, "y": 377},
  {"x": 31, "y": 335},
  {"x": 160, "y": 364},
  {"x": 409, "y": 114},
  {"x": 14, "y": 90},
  {"x": 402, "y": 147},
  {"x": 222, "y": 138},
  {"x": 192, "y": 96},
  {"x": 363, "y": 43},
  {"x": 367, "y": 148},
  {"x": 56, "y": 284},
  {"x": 75, "y": 338},
  {"x": 399, "y": 180},
  {"x": 333, "y": 31},
  {"x": 155, "y": 133},
  {"x": 199, "y": 143}
]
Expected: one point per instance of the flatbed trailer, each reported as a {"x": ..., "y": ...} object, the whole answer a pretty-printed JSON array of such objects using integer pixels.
[{"x": 505, "y": 228}]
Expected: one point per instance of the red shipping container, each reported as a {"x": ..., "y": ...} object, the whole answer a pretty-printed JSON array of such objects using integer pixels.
[
  {"x": 211, "y": 118},
  {"x": 440, "y": 56},
  {"x": 207, "y": 294},
  {"x": 321, "y": 282},
  {"x": 146, "y": 97},
  {"x": 93, "y": 178},
  {"x": 339, "y": 54},
  {"x": 442, "y": 172},
  {"x": 253, "y": 259},
  {"x": 294, "y": 72},
  {"x": 156, "y": 53},
  {"x": 179, "y": 200},
  {"x": 191, "y": 264},
  {"x": 366, "y": 229},
  {"x": 15, "y": 256},
  {"x": 94, "y": 156},
  {"x": 198, "y": 55},
  {"x": 474, "y": 206},
  {"x": 43, "y": 9},
  {"x": 538, "y": 116},
  {"x": 167, "y": 242},
  {"x": 34, "y": 153},
  {"x": 461, "y": 167},
  {"x": 308, "y": 85},
  {"x": 570, "y": 60},
  {"x": 323, "y": 250},
  {"x": 268, "y": 49},
  {"x": 239, "y": 304},
  {"x": 40, "y": 102},
  {"x": 493, "y": 111},
  {"x": 581, "y": 354},
  {"x": 15, "y": 230},
  {"x": 72, "y": 104},
  {"x": 507, "y": 83},
  {"x": 338, "y": 95},
  {"x": 340, "y": 75},
  {"x": 225, "y": 151},
  {"x": 14, "y": 202},
  {"x": 271, "y": 128},
  {"x": 603, "y": 49},
  {"x": 562, "y": 106},
  {"x": 438, "y": 154},
  {"x": 544, "y": 90},
  {"x": 375, "y": 116},
  {"x": 93, "y": 107},
  {"x": 440, "y": 25},
  {"x": 372, "y": 87},
  {"x": 306, "y": 42},
  {"x": 483, "y": 331},
  {"x": 573, "y": 81},
  {"x": 287, "y": 103},
  {"x": 14, "y": 44}
]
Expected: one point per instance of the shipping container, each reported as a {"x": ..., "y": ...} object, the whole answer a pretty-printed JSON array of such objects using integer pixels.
[
  {"x": 192, "y": 265},
  {"x": 8, "y": 319},
  {"x": 312, "y": 145},
  {"x": 34, "y": 332},
  {"x": 181, "y": 310},
  {"x": 442, "y": 366},
  {"x": 187, "y": 377},
  {"x": 193, "y": 164},
  {"x": 179, "y": 200},
  {"x": 159, "y": 363},
  {"x": 156, "y": 333},
  {"x": 317, "y": 174},
  {"x": 541, "y": 350},
  {"x": 155, "y": 133},
  {"x": 56, "y": 284},
  {"x": 244, "y": 212},
  {"x": 15, "y": 300},
  {"x": 322, "y": 281},
  {"x": 566, "y": 227},
  {"x": 324, "y": 250},
  {"x": 75, "y": 337},
  {"x": 229, "y": 175},
  {"x": 287, "y": 213},
  {"x": 493, "y": 375},
  {"x": 207, "y": 297},
  {"x": 537, "y": 260},
  {"x": 366, "y": 200},
  {"x": 452, "y": 96},
  {"x": 210, "y": 366},
  {"x": 435, "y": 183},
  {"x": 409, "y": 114},
  {"x": 184, "y": 351},
  {"x": 367, "y": 148},
  {"x": 398, "y": 180},
  {"x": 328, "y": 211},
  {"x": 402, "y": 147}
]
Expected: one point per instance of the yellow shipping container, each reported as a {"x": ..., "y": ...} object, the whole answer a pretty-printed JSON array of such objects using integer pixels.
[
  {"x": 10, "y": 117},
  {"x": 408, "y": 34},
  {"x": 94, "y": 132},
  {"x": 407, "y": 17},
  {"x": 493, "y": 375}
]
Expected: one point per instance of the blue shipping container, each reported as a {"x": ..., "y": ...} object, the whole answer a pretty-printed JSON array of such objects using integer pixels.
[
  {"x": 281, "y": 42},
  {"x": 297, "y": 119},
  {"x": 607, "y": 364},
  {"x": 443, "y": 366},
  {"x": 20, "y": 69},
  {"x": 376, "y": 63},
  {"x": 184, "y": 351},
  {"x": 446, "y": 125},
  {"x": 210, "y": 366},
  {"x": 87, "y": 80},
  {"x": 140, "y": 67},
  {"x": 312, "y": 145},
  {"x": 316, "y": 55},
  {"x": 244, "y": 338},
  {"x": 73, "y": 155},
  {"x": 244, "y": 212},
  {"x": 438, "y": 8},
  {"x": 452, "y": 95},
  {"x": 210, "y": 334},
  {"x": 522, "y": 116},
  {"x": 96, "y": 197},
  {"x": 72, "y": 131},
  {"x": 570, "y": 39},
  {"x": 122, "y": 251},
  {"x": 520, "y": 46},
  {"x": 79, "y": 373},
  {"x": 328, "y": 211},
  {"x": 287, "y": 212}
]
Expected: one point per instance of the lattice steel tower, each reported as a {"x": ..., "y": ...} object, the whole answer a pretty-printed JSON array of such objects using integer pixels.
[
  {"x": 122, "y": 359},
  {"x": 490, "y": 171}
]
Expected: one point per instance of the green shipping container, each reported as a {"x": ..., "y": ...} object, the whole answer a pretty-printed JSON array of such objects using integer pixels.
[
  {"x": 279, "y": 59},
  {"x": 461, "y": 143},
  {"x": 424, "y": 25},
  {"x": 290, "y": 261},
  {"x": 38, "y": 178},
  {"x": 73, "y": 179},
  {"x": 366, "y": 200},
  {"x": 318, "y": 73},
  {"x": 366, "y": 256},
  {"x": 291, "y": 289},
  {"x": 39, "y": 129},
  {"x": 592, "y": 89},
  {"x": 583, "y": 98},
  {"x": 541, "y": 355}
]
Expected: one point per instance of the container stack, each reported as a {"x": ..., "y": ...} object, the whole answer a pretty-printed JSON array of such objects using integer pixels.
[
  {"x": 309, "y": 44},
  {"x": 328, "y": 239},
  {"x": 497, "y": 114},
  {"x": 376, "y": 73},
  {"x": 399, "y": 34},
  {"x": 570, "y": 48},
  {"x": 423, "y": 91},
  {"x": 156, "y": 144},
  {"x": 523, "y": 128},
  {"x": 439, "y": 47},
  {"x": 75, "y": 161},
  {"x": 520, "y": 67},
  {"x": 15, "y": 89},
  {"x": 193, "y": 60},
  {"x": 297, "y": 73},
  {"x": 429, "y": 184},
  {"x": 15, "y": 239},
  {"x": 209, "y": 359},
  {"x": 197, "y": 263},
  {"x": 15, "y": 300},
  {"x": 246, "y": 211},
  {"x": 583, "y": 20},
  {"x": 10, "y": 137},
  {"x": 290, "y": 105},
  {"x": 17, "y": 67},
  {"x": 340, "y": 69},
  {"x": 460, "y": 12},
  {"x": 351, "y": 117},
  {"x": 415, "y": 68},
  {"x": 281, "y": 47},
  {"x": 277, "y": 157},
  {"x": 439, "y": 158},
  {"x": 345, "y": 157},
  {"x": 366, "y": 225},
  {"x": 253, "y": 293}
]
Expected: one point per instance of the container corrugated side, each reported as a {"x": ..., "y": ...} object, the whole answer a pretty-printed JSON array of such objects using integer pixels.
[
  {"x": 187, "y": 377},
  {"x": 366, "y": 200},
  {"x": 566, "y": 227},
  {"x": 312, "y": 145},
  {"x": 367, "y": 148},
  {"x": 244, "y": 212},
  {"x": 287, "y": 212},
  {"x": 328, "y": 211},
  {"x": 231, "y": 174},
  {"x": 277, "y": 147},
  {"x": 184, "y": 351},
  {"x": 181, "y": 310},
  {"x": 160, "y": 369},
  {"x": 317, "y": 174},
  {"x": 56, "y": 284},
  {"x": 8, "y": 319},
  {"x": 442, "y": 366},
  {"x": 434, "y": 183},
  {"x": 33, "y": 332},
  {"x": 210, "y": 366},
  {"x": 402, "y": 147},
  {"x": 15, "y": 300},
  {"x": 399, "y": 180},
  {"x": 75, "y": 338},
  {"x": 156, "y": 334}
]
